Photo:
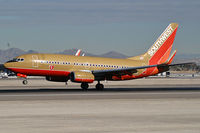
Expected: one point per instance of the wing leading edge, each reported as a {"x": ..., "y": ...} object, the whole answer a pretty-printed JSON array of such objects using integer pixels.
[{"x": 121, "y": 71}]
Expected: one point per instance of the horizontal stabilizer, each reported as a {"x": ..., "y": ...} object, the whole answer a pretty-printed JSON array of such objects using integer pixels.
[{"x": 179, "y": 64}]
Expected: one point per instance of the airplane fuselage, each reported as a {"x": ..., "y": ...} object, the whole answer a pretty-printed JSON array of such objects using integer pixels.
[{"x": 63, "y": 65}]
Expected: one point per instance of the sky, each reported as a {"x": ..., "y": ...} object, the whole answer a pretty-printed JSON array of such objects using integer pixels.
[{"x": 98, "y": 26}]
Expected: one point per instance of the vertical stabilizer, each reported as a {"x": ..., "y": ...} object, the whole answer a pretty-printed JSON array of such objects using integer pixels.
[{"x": 159, "y": 52}]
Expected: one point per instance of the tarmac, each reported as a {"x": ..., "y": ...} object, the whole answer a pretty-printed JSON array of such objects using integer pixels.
[{"x": 153, "y": 105}]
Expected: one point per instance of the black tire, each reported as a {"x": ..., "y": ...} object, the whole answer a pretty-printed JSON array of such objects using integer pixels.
[
  {"x": 25, "y": 82},
  {"x": 99, "y": 86},
  {"x": 84, "y": 86}
]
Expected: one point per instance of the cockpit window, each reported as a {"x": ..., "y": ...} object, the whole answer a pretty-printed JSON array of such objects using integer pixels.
[{"x": 16, "y": 60}]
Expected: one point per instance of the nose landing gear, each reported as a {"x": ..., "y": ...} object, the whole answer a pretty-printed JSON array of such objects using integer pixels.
[{"x": 25, "y": 82}]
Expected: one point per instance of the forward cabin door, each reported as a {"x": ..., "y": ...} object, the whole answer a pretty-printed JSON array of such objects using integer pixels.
[{"x": 34, "y": 61}]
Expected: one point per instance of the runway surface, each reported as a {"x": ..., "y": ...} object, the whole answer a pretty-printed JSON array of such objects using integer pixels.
[
  {"x": 138, "y": 93},
  {"x": 147, "y": 106}
]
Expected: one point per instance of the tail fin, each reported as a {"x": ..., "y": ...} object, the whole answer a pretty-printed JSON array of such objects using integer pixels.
[{"x": 159, "y": 52}]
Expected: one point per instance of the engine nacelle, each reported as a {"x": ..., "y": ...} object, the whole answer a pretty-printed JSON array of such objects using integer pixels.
[
  {"x": 80, "y": 77},
  {"x": 56, "y": 78}
]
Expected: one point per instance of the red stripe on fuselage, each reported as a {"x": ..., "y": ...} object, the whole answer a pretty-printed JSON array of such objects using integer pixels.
[{"x": 38, "y": 72}]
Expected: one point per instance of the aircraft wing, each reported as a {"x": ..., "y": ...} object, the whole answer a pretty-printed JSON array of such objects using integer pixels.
[
  {"x": 132, "y": 70},
  {"x": 121, "y": 71}
]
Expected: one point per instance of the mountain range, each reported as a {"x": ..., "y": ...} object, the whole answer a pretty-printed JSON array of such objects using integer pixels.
[{"x": 8, "y": 54}]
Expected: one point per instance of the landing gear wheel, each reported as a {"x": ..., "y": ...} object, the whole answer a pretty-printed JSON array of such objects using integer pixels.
[
  {"x": 25, "y": 82},
  {"x": 99, "y": 86},
  {"x": 84, "y": 86}
]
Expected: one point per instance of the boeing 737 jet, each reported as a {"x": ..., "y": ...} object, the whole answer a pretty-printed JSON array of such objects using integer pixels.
[{"x": 85, "y": 69}]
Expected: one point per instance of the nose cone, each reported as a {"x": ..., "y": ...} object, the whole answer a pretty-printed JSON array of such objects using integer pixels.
[{"x": 7, "y": 65}]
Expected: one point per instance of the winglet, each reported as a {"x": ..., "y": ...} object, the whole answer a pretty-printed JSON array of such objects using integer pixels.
[
  {"x": 78, "y": 52},
  {"x": 169, "y": 61}
]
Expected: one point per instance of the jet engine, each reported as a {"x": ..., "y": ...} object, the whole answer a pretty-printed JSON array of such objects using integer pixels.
[{"x": 80, "y": 77}]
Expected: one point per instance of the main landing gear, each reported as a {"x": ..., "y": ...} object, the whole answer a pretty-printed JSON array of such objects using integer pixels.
[{"x": 98, "y": 86}]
